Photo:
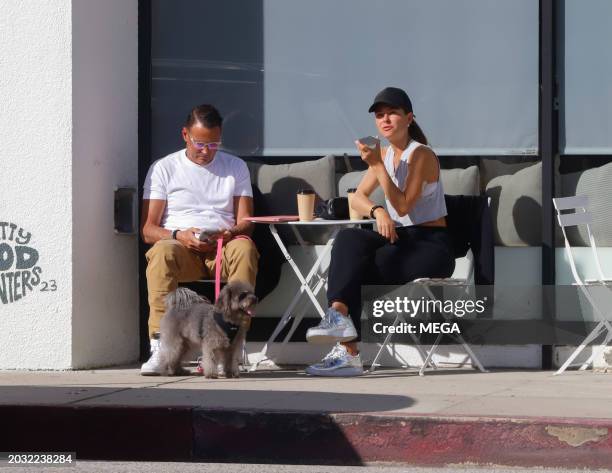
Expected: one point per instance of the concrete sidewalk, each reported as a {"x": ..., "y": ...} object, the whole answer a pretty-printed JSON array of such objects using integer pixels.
[{"x": 523, "y": 418}]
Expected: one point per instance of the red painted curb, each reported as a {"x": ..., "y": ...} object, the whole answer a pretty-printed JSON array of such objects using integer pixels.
[
  {"x": 356, "y": 439},
  {"x": 514, "y": 442},
  {"x": 188, "y": 434}
]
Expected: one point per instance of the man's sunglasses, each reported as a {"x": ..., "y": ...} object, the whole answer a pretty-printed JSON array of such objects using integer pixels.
[{"x": 200, "y": 145}]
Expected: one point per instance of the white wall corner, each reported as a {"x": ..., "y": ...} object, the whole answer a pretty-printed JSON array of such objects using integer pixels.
[{"x": 105, "y": 156}]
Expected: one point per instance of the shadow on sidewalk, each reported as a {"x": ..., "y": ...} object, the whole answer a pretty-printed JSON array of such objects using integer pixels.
[{"x": 206, "y": 397}]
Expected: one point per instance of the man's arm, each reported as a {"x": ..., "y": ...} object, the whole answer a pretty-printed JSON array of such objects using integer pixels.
[
  {"x": 152, "y": 212},
  {"x": 243, "y": 208},
  {"x": 152, "y": 232}
]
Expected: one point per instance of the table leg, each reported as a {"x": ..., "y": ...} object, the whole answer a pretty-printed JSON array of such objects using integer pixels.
[
  {"x": 322, "y": 282},
  {"x": 304, "y": 287}
]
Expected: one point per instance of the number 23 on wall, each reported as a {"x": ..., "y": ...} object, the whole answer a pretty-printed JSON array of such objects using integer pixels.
[{"x": 49, "y": 285}]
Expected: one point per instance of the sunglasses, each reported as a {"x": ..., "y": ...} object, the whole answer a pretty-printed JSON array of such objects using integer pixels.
[{"x": 200, "y": 145}]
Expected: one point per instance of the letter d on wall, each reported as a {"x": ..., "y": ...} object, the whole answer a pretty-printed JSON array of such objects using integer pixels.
[{"x": 26, "y": 257}]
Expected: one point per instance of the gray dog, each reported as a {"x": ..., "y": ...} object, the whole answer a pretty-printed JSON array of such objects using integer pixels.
[{"x": 220, "y": 329}]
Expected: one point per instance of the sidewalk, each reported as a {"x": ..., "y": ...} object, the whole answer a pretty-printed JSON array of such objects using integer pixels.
[{"x": 523, "y": 418}]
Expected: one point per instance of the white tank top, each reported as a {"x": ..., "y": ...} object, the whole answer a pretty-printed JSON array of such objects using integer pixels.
[{"x": 430, "y": 206}]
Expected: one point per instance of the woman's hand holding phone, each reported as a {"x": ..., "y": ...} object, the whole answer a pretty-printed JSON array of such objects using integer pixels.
[{"x": 369, "y": 148}]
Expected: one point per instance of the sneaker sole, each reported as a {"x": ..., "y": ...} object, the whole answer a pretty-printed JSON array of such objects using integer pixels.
[
  {"x": 326, "y": 337},
  {"x": 339, "y": 373},
  {"x": 149, "y": 373}
]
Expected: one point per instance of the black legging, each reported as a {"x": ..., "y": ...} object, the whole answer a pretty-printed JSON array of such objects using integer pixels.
[{"x": 360, "y": 257}]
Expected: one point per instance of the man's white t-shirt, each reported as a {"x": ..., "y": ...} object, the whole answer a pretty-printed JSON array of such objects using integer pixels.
[{"x": 198, "y": 196}]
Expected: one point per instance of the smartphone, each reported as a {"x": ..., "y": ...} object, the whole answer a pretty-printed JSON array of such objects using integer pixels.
[
  {"x": 204, "y": 236},
  {"x": 369, "y": 141}
]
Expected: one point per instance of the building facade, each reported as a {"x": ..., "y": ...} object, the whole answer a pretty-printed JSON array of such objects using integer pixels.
[{"x": 96, "y": 91}]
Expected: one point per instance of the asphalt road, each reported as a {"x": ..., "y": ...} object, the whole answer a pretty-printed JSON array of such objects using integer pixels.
[{"x": 164, "y": 467}]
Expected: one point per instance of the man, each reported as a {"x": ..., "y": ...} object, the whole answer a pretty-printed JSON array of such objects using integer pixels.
[{"x": 199, "y": 188}]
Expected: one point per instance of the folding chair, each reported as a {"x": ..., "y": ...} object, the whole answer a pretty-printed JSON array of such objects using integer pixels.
[
  {"x": 426, "y": 284},
  {"x": 582, "y": 216}
]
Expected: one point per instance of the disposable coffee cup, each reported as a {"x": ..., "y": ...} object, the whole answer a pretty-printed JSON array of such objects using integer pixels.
[
  {"x": 305, "y": 203},
  {"x": 353, "y": 214}
]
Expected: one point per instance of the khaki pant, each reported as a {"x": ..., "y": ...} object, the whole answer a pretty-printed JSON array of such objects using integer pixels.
[{"x": 169, "y": 263}]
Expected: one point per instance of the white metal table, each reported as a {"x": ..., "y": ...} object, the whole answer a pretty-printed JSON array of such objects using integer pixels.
[{"x": 311, "y": 283}]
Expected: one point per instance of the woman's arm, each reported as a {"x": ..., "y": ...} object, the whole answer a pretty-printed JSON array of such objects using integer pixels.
[
  {"x": 423, "y": 169},
  {"x": 361, "y": 202},
  {"x": 363, "y": 205}
]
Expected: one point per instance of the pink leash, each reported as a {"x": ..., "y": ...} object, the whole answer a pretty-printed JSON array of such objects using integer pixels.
[
  {"x": 218, "y": 278},
  {"x": 218, "y": 268}
]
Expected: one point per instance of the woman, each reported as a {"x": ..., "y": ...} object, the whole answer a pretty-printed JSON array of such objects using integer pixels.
[{"x": 412, "y": 241}]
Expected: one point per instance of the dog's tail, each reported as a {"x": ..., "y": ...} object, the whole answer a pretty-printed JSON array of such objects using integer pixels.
[{"x": 183, "y": 298}]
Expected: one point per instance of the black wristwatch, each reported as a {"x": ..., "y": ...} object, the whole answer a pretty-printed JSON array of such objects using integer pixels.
[
  {"x": 174, "y": 232},
  {"x": 373, "y": 209}
]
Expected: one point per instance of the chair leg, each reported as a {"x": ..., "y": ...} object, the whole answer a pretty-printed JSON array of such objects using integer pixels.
[
  {"x": 474, "y": 358},
  {"x": 382, "y": 347},
  {"x": 429, "y": 356},
  {"x": 426, "y": 359},
  {"x": 470, "y": 352},
  {"x": 597, "y": 352},
  {"x": 590, "y": 337},
  {"x": 422, "y": 353}
]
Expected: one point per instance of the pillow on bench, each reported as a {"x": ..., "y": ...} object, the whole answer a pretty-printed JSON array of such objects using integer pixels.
[
  {"x": 516, "y": 207},
  {"x": 454, "y": 181},
  {"x": 595, "y": 184},
  {"x": 278, "y": 185}
]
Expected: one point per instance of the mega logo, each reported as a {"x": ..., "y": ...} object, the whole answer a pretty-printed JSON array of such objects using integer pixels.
[{"x": 19, "y": 273}]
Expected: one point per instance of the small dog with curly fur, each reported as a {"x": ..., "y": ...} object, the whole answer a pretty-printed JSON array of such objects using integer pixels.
[{"x": 219, "y": 329}]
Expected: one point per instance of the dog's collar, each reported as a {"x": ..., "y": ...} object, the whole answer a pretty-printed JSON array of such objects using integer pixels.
[{"x": 229, "y": 329}]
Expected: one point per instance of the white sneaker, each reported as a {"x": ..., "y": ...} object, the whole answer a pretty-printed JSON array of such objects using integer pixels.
[
  {"x": 338, "y": 362},
  {"x": 152, "y": 367},
  {"x": 334, "y": 327}
]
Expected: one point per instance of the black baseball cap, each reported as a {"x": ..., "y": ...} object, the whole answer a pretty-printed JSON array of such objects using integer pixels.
[{"x": 394, "y": 97}]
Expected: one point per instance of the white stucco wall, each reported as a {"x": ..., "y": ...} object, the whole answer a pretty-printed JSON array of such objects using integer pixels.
[
  {"x": 68, "y": 131},
  {"x": 105, "y": 156},
  {"x": 35, "y": 177}
]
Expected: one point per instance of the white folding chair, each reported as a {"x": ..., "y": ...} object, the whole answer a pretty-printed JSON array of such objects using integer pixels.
[
  {"x": 582, "y": 216},
  {"x": 426, "y": 284}
]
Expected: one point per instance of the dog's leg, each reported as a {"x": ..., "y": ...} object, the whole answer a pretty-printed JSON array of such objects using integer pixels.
[
  {"x": 232, "y": 370},
  {"x": 175, "y": 352},
  {"x": 209, "y": 363},
  {"x": 234, "y": 352},
  {"x": 221, "y": 356}
]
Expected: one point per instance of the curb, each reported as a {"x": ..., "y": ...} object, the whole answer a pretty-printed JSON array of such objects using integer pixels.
[{"x": 194, "y": 434}]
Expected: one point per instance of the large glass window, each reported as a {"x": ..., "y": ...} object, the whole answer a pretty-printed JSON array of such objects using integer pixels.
[
  {"x": 585, "y": 76},
  {"x": 295, "y": 78}
]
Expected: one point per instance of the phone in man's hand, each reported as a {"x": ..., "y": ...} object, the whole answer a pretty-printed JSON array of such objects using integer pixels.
[{"x": 204, "y": 236}]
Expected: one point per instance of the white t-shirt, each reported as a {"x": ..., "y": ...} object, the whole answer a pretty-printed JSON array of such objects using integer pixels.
[{"x": 198, "y": 196}]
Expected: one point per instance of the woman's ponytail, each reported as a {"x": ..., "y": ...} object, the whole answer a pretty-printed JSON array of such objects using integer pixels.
[{"x": 416, "y": 133}]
